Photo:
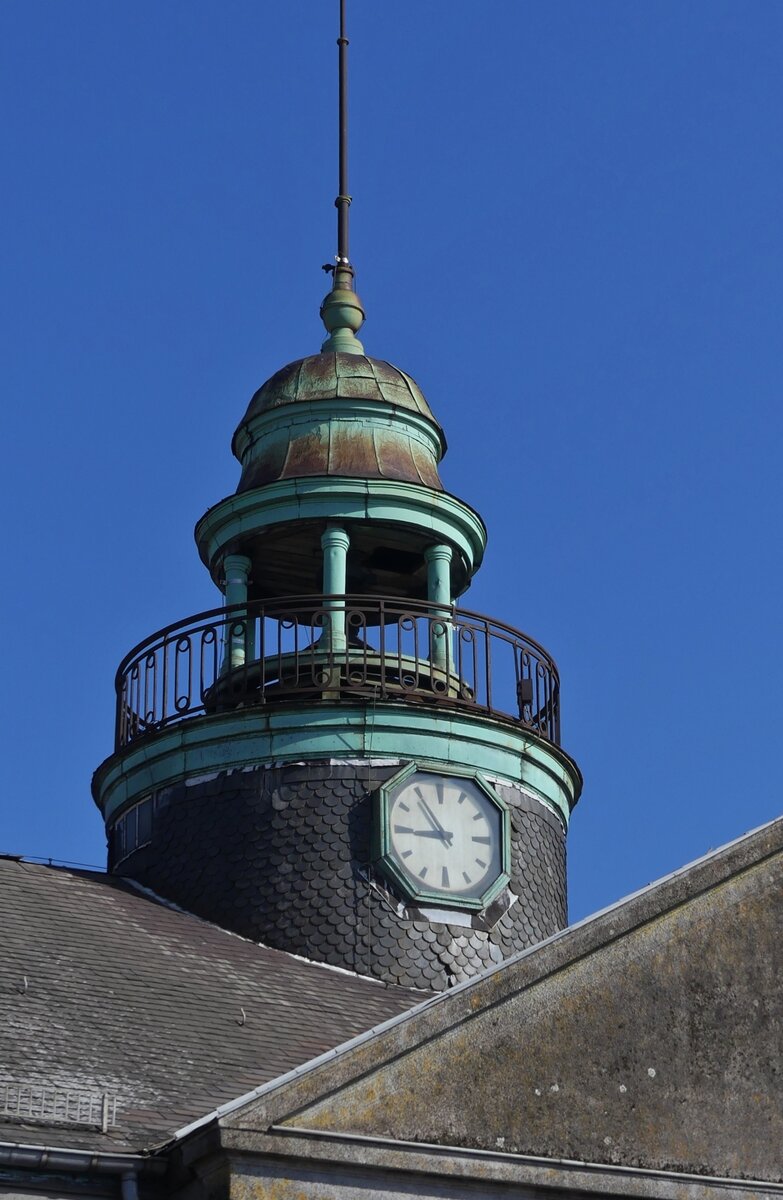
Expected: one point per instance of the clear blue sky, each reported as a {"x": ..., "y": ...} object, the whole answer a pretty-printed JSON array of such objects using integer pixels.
[{"x": 567, "y": 227}]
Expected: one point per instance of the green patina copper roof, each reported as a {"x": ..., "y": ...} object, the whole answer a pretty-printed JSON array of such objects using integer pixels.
[
  {"x": 331, "y": 376},
  {"x": 339, "y": 414}
]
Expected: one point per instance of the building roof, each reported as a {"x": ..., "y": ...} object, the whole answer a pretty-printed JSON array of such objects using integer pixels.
[
  {"x": 332, "y": 376},
  {"x": 635, "y": 1052},
  {"x": 107, "y": 992},
  {"x": 324, "y": 442}
]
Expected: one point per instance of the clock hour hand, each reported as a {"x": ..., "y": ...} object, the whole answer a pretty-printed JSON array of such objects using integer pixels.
[
  {"x": 435, "y": 823},
  {"x": 433, "y": 833}
]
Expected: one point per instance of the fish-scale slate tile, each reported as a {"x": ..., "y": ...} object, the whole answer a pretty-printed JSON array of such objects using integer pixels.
[
  {"x": 283, "y": 855},
  {"x": 104, "y": 989}
]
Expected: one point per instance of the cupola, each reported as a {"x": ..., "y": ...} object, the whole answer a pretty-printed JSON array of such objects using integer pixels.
[
  {"x": 339, "y": 414},
  {"x": 338, "y": 761}
]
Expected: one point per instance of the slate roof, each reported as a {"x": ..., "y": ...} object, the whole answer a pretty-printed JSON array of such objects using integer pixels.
[{"x": 105, "y": 990}]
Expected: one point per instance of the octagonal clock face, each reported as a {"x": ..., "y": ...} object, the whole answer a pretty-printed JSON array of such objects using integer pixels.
[{"x": 445, "y": 837}]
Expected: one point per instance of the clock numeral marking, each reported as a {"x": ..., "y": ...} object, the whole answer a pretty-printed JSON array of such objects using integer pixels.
[
  {"x": 407, "y": 853},
  {"x": 423, "y": 873},
  {"x": 402, "y": 829},
  {"x": 462, "y": 797},
  {"x": 486, "y": 841},
  {"x": 444, "y": 882},
  {"x": 480, "y": 863},
  {"x": 439, "y": 792},
  {"x": 478, "y": 816},
  {"x": 404, "y": 807},
  {"x": 466, "y": 877}
]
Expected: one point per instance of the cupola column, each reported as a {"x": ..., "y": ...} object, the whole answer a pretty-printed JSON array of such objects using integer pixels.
[
  {"x": 438, "y": 559},
  {"x": 239, "y": 630},
  {"x": 335, "y": 543}
]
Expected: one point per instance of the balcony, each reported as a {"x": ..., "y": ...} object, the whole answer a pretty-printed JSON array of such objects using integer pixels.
[{"x": 336, "y": 648}]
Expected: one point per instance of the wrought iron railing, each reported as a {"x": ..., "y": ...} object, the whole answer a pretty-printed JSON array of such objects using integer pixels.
[{"x": 332, "y": 648}]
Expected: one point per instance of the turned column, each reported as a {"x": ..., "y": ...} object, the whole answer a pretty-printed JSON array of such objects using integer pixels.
[
  {"x": 239, "y": 626},
  {"x": 438, "y": 559},
  {"x": 335, "y": 543}
]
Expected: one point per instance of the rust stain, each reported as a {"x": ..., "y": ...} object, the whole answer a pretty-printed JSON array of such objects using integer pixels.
[
  {"x": 266, "y": 468},
  {"x": 395, "y": 458},
  {"x": 307, "y": 455},
  {"x": 426, "y": 468},
  {"x": 351, "y": 453},
  {"x": 339, "y": 449}
]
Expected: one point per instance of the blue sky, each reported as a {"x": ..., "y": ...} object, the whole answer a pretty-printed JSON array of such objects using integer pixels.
[{"x": 566, "y": 227}]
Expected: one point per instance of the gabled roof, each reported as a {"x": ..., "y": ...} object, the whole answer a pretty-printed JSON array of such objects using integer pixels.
[
  {"x": 106, "y": 992},
  {"x": 644, "y": 1044}
]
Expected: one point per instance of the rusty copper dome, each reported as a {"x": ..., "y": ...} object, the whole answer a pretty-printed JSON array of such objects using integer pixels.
[{"x": 339, "y": 414}]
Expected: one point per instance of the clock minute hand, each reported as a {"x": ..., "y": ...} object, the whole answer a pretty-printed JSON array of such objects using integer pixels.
[
  {"x": 430, "y": 815},
  {"x": 434, "y": 822}
]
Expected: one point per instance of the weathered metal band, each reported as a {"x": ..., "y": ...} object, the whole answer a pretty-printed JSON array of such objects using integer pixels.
[
  {"x": 322, "y": 730},
  {"x": 367, "y": 412}
]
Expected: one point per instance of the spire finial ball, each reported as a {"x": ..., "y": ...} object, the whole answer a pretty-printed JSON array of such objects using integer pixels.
[{"x": 342, "y": 313}]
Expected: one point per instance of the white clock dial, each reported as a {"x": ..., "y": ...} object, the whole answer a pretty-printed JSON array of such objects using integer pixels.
[{"x": 446, "y": 835}]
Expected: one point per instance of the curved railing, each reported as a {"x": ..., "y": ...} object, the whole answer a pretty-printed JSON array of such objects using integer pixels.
[{"x": 335, "y": 648}]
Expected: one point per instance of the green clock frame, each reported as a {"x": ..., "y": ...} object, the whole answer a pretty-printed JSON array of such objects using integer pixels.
[{"x": 384, "y": 858}]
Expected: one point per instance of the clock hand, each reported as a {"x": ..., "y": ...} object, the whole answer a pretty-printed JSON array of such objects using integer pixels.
[
  {"x": 430, "y": 815},
  {"x": 434, "y": 822},
  {"x": 433, "y": 833}
]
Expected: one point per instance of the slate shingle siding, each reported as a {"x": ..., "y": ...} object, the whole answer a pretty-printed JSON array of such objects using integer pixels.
[{"x": 282, "y": 856}]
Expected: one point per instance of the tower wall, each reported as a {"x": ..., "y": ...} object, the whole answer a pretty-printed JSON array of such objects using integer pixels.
[{"x": 282, "y": 855}]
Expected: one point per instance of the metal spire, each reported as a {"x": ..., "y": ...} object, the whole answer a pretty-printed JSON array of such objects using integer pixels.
[
  {"x": 341, "y": 311},
  {"x": 343, "y": 201}
]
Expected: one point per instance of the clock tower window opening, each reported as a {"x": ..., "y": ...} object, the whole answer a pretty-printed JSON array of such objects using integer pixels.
[{"x": 132, "y": 830}]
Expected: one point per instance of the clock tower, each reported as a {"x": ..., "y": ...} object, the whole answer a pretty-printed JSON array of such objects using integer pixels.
[{"x": 340, "y": 761}]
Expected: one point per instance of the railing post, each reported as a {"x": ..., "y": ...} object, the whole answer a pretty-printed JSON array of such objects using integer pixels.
[
  {"x": 438, "y": 559},
  {"x": 239, "y": 647},
  {"x": 335, "y": 543}
]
